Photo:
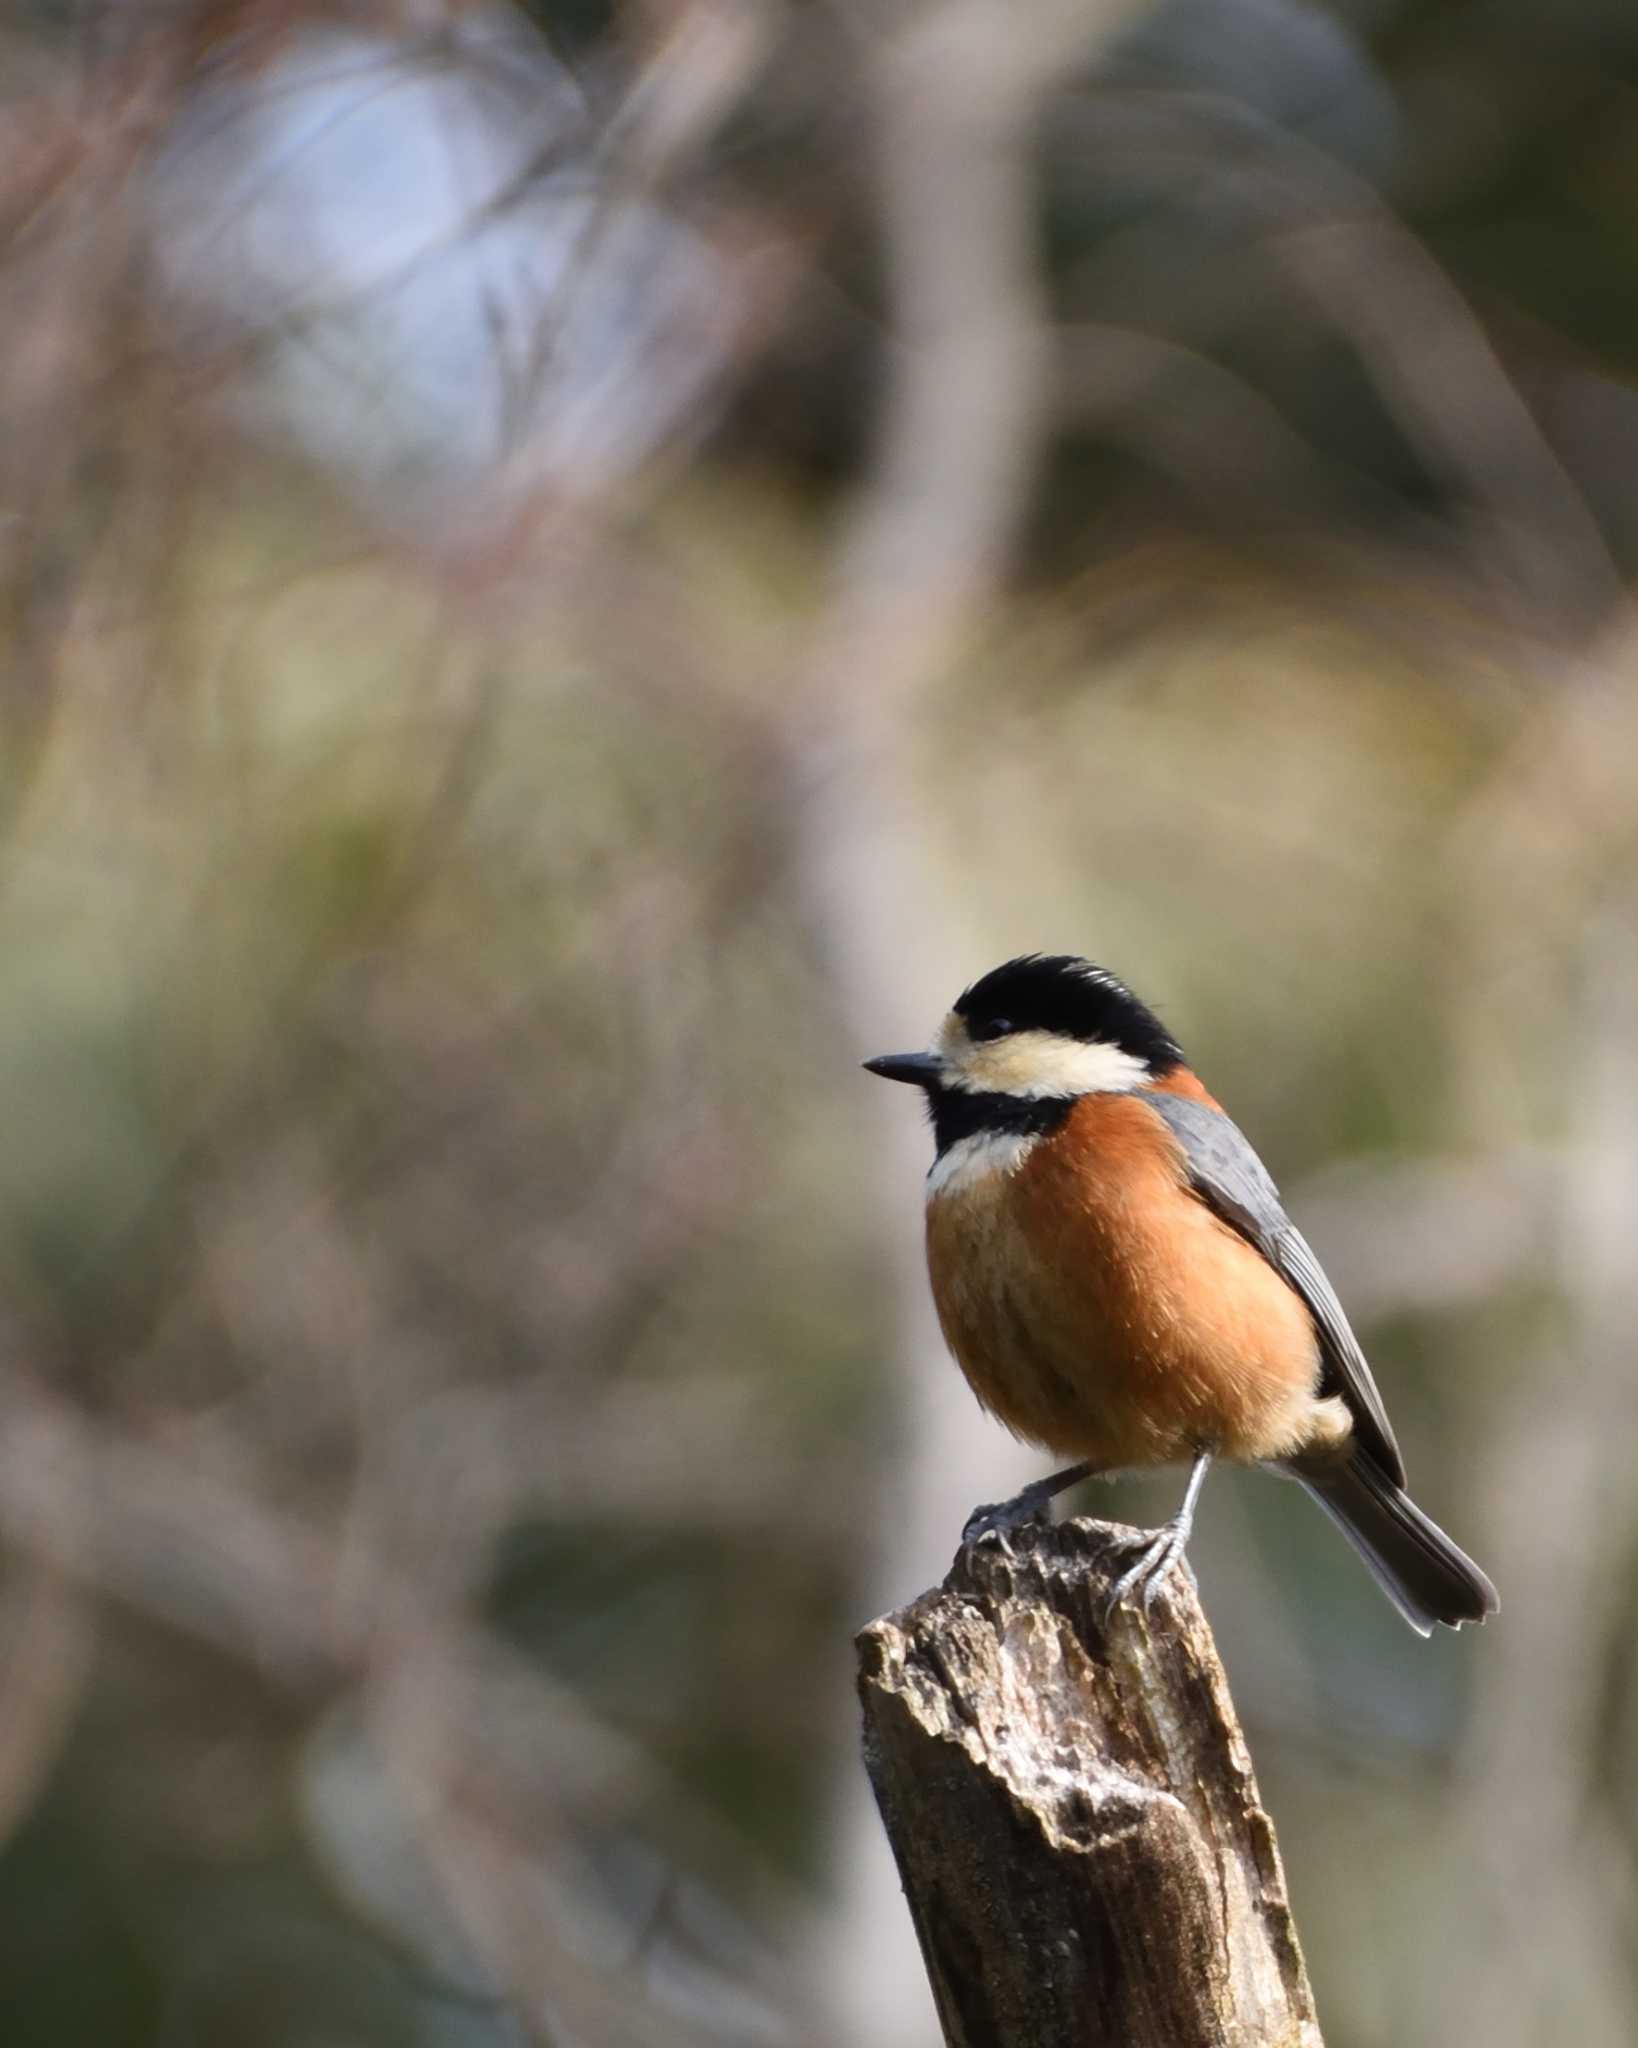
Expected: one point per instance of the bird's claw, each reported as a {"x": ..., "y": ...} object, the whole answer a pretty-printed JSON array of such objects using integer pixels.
[
  {"x": 1004, "y": 1518},
  {"x": 1001, "y": 1519},
  {"x": 1160, "y": 1554}
]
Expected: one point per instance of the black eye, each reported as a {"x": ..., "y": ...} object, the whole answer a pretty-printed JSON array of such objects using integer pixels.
[{"x": 989, "y": 1027}]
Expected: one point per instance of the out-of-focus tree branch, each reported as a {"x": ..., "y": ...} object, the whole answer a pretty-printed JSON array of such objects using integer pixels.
[{"x": 954, "y": 90}]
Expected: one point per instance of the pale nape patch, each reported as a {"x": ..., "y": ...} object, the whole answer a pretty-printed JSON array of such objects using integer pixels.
[
  {"x": 977, "y": 1157},
  {"x": 1035, "y": 1063}
]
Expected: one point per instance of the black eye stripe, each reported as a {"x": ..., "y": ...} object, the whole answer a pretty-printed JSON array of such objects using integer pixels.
[{"x": 989, "y": 1027}]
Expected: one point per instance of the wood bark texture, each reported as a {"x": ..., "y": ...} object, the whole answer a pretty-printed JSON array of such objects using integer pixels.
[{"x": 1071, "y": 1803}]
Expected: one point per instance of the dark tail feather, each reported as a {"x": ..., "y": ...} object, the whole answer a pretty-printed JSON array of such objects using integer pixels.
[{"x": 1414, "y": 1562}]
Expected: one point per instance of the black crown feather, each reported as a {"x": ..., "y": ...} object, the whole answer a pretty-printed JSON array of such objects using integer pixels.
[{"x": 1061, "y": 992}]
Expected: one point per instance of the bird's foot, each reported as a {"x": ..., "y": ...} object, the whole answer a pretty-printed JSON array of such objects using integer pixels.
[
  {"x": 1160, "y": 1553},
  {"x": 1164, "y": 1548},
  {"x": 1002, "y": 1518}
]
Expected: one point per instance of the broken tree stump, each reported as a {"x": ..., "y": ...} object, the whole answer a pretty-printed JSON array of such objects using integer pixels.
[{"x": 1071, "y": 1803}]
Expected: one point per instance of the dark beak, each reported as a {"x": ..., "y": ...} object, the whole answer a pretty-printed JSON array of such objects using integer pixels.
[{"x": 922, "y": 1069}]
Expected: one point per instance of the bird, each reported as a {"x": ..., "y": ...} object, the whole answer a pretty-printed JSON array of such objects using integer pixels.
[{"x": 1117, "y": 1278}]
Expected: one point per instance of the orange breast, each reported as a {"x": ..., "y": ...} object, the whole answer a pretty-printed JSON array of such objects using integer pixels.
[{"x": 1100, "y": 1309}]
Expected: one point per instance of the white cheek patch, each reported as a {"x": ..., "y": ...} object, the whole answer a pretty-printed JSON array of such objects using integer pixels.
[
  {"x": 951, "y": 1042},
  {"x": 1033, "y": 1064},
  {"x": 979, "y": 1157}
]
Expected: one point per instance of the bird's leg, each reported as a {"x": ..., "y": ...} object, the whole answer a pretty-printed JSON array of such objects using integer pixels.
[
  {"x": 1167, "y": 1544},
  {"x": 1001, "y": 1517}
]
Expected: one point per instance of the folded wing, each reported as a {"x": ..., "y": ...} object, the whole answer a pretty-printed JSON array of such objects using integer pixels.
[{"x": 1226, "y": 1173}]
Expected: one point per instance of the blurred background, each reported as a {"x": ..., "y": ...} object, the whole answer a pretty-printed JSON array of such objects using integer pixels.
[{"x": 569, "y": 572}]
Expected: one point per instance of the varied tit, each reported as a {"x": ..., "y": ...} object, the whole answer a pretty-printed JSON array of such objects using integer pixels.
[{"x": 1118, "y": 1281}]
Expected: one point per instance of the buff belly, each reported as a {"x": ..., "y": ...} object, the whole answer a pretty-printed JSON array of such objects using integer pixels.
[{"x": 1099, "y": 1309}]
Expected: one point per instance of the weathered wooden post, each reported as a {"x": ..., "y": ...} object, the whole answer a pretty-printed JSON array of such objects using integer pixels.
[{"x": 1072, "y": 1807}]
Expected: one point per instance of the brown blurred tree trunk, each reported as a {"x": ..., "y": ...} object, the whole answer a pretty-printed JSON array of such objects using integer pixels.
[{"x": 1073, "y": 1810}]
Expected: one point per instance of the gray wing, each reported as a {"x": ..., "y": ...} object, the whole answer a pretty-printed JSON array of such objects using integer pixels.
[{"x": 1226, "y": 1173}]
